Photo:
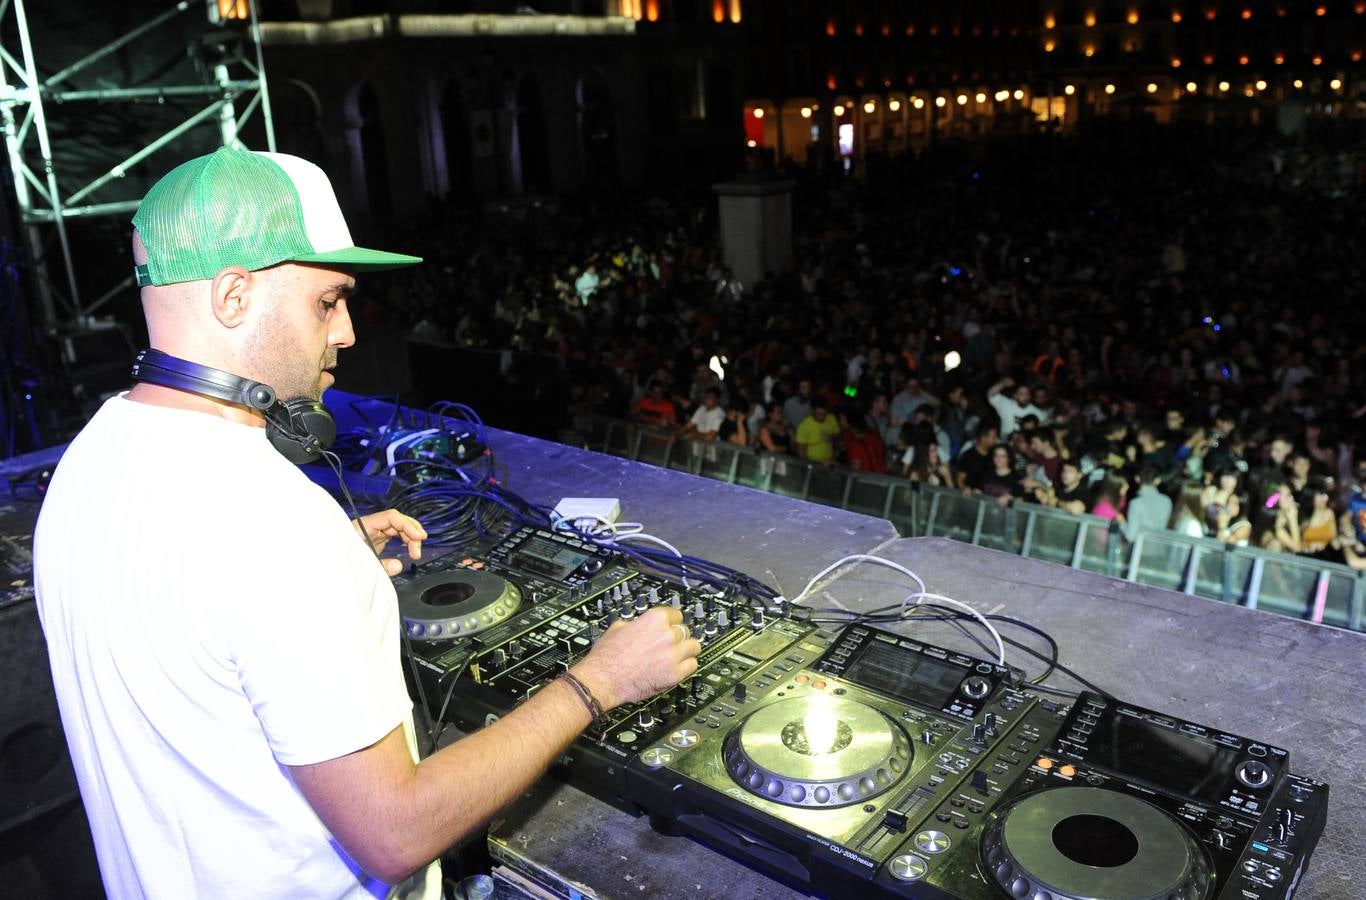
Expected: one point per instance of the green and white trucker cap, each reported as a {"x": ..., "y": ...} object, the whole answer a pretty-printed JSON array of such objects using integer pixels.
[{"x": 250, "y": 209}]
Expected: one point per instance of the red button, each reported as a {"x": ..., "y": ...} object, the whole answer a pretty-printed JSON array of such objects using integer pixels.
[
  {"x": 1044, "y": 763},
  {"x": 818, "y": 685},
  {"x": 802, "y": 679},
  {"x": 1067, "y": 771}
]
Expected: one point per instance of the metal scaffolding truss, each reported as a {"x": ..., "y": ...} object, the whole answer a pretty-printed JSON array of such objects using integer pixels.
[{"x": 27, "y": 100}]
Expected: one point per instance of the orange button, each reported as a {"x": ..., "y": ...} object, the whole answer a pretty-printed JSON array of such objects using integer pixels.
[
  {"x": 818, "y": 684},
  {"x": 1067, "y": 771},
  {"x": 477, "y": 566},
  {"x": 1044, "y": 763},
  {"x": 466, "y": 561},
  {"x": 802, "y": 679}
]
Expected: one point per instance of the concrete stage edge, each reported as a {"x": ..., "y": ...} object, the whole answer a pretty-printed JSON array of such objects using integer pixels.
[{"x": 1292, "y": 683}]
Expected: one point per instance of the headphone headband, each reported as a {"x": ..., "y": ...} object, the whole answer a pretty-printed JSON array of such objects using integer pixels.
[{"x": 301, "y": 428}]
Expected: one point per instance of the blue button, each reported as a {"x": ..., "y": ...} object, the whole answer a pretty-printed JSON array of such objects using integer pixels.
[{"x": 1262, "y": 847}]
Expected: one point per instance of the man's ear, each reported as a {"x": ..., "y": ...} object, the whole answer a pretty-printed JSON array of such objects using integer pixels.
[{"x": 230, "y": 296}]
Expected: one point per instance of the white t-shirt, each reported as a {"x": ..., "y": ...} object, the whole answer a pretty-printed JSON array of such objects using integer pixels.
[
  {"x": 708, "y": 420},
  {"x": 211, "y": 617}
]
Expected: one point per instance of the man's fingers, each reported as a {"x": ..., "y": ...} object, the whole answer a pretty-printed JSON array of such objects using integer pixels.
[{"x": 392, "y": 566}]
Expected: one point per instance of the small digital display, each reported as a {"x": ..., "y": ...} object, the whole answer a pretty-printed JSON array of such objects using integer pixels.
[
  {"x": 549, "y": 557},
  {"x": 1162, "y": 756},
  {"x": 906, "y": 675}
]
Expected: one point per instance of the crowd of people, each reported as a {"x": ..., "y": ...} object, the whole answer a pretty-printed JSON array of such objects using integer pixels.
[{"x": 1158, "y": 326}]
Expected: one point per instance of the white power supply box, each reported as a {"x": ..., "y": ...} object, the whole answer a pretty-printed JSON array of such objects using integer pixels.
[{"x": 597, "y": 509}]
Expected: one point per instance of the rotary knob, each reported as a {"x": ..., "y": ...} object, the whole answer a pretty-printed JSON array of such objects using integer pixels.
[
  {"x": 645, "y": 719},
  {"x": 975, "y": 687},
  {"x": 1254, "y": 774}
]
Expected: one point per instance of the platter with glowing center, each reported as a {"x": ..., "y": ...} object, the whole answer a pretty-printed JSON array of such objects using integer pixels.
[{"x": 817, "y": 751}]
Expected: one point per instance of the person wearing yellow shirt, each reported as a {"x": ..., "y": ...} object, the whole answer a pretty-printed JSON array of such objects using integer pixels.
[{"x": 817, "y": 432}]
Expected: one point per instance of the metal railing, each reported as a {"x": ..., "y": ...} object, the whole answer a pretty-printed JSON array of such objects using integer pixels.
[{"x": 1328, "y": 593}]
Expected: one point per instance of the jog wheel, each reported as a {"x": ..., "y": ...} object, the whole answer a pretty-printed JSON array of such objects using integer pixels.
[
  {"x": 456, "y": 604},
  {"x": 817, "y": 752},
  {"x": 1084, "y": 843}
]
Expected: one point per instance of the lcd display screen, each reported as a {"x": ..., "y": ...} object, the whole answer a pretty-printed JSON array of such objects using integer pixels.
[
  {"x": 549, "y": 557},
  {"x": 909, "y": 676},
  {"x": 1162, "y": 756}
]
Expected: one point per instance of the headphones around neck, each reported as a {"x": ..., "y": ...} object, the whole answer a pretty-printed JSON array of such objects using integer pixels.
[{"x": 301, "y": 429}]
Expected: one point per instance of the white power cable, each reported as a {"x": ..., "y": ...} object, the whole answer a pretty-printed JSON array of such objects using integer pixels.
[{"x": 918, "y": 596}]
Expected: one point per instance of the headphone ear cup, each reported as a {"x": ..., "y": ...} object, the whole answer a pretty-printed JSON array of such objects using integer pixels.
[{"x": 311, "y": 430}]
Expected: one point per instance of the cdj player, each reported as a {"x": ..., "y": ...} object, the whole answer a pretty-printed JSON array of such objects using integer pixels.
[{"x": 864, "y": 762}]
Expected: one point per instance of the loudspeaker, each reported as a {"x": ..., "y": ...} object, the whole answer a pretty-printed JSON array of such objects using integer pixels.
[{"x": 301, "y": 428}]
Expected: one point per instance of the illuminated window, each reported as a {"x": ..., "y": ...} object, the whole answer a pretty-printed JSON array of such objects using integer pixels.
[
  {"x": 1090, "y": 19},
  {"x": 652, "y": 10},
  {"x": 858, "y": 29},
  {"x": 1243, "y": 60},
  {"x": 1048, "y": 46},
  {"x": 1176, "y": 16},
  {"x": 735, "y": 14},
  {"x": 1209, "y": 59},
  {"x": 1176, "y": 62},
  {"x": 1049, "y": 21},
  {"x": 221, "y": 11},
  {"x": 1211, "y": 13},
  {"x": 1247, "y": 13},
  {"x": 1132, "y": 18},
  {"x": 1280, "y": 59},
  {"x": 718, "y": 11}
]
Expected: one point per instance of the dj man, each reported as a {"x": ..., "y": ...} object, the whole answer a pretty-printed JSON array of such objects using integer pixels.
[{"x": 224, "y": 641}]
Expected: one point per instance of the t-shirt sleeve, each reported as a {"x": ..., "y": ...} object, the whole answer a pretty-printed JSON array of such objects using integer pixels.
[{"x": 316, "y": 650}]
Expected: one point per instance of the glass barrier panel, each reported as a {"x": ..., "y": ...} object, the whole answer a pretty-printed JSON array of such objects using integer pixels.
[
  {"x": 1209, "y": 572},
  {"x": 754, "y": 470},
  {"x": 1002, "y": 527},
  {"x": 1163, "y": 563},
  {"x": 910, "y": 508},
  {"x": 1337, "y": 609},
  {"x": 789, "y": 476},
  {"x": 655, "y": 447},
  {"x": 1240, "y": 561},
  {"x": 618, "y": 440},
  {"x": 867, "y": 494},
  {"x": 1054, "y": 537},
  {"x": 956, "y": 517},
  {"x": 1104, "y": 550},
  {"x": 687, "y": 455},
  {"x": 718, "y": 460},
  {"x": 827, "y": 484},
  {"x": 1287, "y": 586}
]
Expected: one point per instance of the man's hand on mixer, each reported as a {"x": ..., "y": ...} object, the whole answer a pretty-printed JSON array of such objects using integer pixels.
[{"x": 635, "y": 660}]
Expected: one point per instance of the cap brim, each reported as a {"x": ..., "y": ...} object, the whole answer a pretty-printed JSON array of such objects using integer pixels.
[{"x": 362, "y": 259}]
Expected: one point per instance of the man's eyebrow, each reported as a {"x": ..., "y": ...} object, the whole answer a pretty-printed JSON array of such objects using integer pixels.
[{"x": 342, "y": 288}]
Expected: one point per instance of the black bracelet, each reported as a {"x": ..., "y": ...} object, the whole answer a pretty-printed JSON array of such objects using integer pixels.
[{"x": 594, "y": 707}]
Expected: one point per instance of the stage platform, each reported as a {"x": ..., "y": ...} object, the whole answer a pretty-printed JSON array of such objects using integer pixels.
[{"x": 1288, "y": 682}]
